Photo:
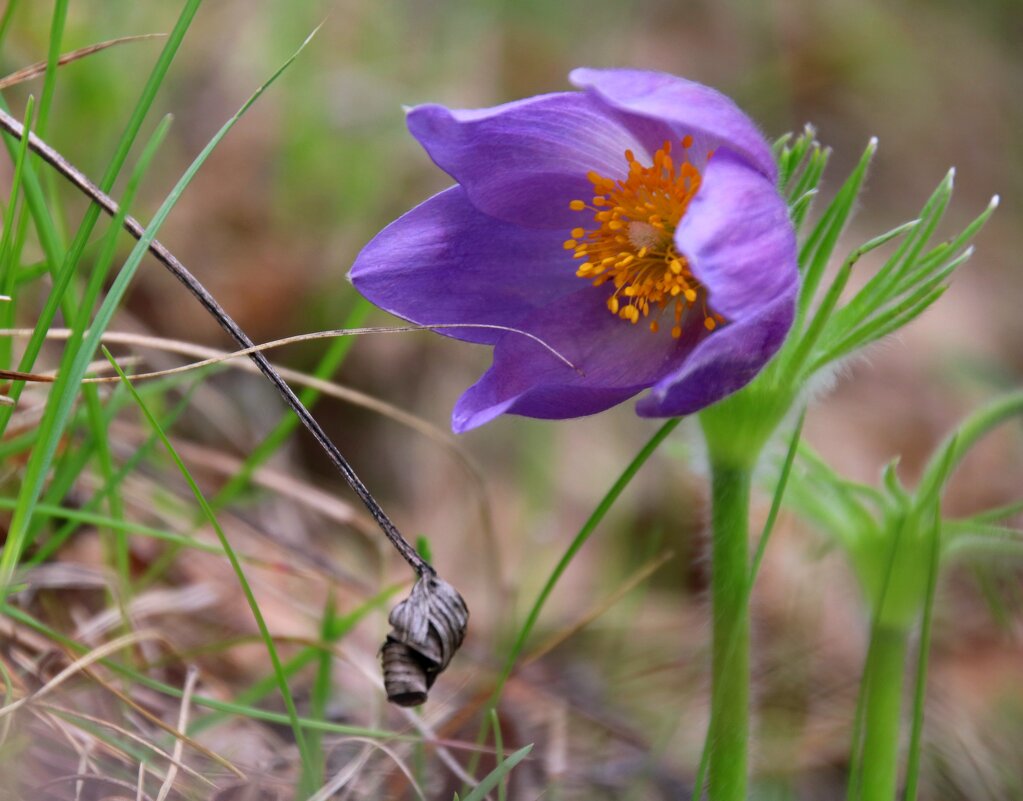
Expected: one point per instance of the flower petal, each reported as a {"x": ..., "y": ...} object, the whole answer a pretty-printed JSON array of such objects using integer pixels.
[
  {"x": 691, "y": 107},
  {"x": 446, "y": 262},
  {"x": 722, "y": 363},
  {"x": 613, "y": 359},
  {"x": 738, "y": 239},
  {"x": 524, "y": 162}
]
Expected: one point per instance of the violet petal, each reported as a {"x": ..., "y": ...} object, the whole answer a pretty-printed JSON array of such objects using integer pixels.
[
  {"x": 524, "y": 162},
  {"x": 691, "y": 107},
  {"x": 721, "y": 363},
  {"x": 738, "y": 239},
  {"x": 446, "y": 262},
  {"x": 614, "y": 361}
]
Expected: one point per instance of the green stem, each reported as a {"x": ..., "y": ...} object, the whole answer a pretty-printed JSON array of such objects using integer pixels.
[
  {"x": 883, "y": 702},
  {"x": 729, "y": 720}
]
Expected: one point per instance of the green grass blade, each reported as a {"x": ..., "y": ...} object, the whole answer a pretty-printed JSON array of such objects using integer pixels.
[
  {"x": 285, "y": 690},
  {"x": 117, "y": 549},
  {"x": 46, "y": 228},
  {"x": 322, "y": 691},
  {"x": 44, "y": 225},
  {"x": 577, "y": 543},
  {"x": 776, "y": 500},
  {"x": 495, "y": 721},
  {"x": 70, "y": 467},
  {"x": 47, "y": 549},
  {"x": 9, "y": 251},
  {"x": 90, "y": 518},
  {"x": 52, "y": 57},
  {"x": 56, "y": 39},
  {"x": 574, "y": 547},
  {"x": 63, "y": 394},
  {"x": 56, "y": 416},
  {"x": 5, "y": 21},
  {"x": 497, "y": 775},
  {"x": 341, "y": 626}
]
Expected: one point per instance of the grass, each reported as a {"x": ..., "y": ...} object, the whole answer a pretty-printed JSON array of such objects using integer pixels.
[{"x": 51, "y": 475}]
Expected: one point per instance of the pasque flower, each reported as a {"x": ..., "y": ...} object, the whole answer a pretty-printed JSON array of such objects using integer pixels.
[{"x": 634, "y": 226}]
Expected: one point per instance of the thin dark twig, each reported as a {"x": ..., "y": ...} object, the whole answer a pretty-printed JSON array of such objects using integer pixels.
[{"x": 192, "y": 284}]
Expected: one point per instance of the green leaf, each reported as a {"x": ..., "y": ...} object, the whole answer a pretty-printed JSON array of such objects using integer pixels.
[
  {"x": 997, "y": 513},
  {"x": 890, "y": 479},
  {"x": 802, "y": 194},
  {"x": 820, "y": 245},
  {"x": 880, "y": 327},
  {"x": 959, "y": 442},
  {"x": 878, "y": 290},
  {"x": 974, "y": 538},
  {"x": 803, "y": 345}
]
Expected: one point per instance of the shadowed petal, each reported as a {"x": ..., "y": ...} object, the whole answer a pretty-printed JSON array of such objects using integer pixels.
[
  {"x": 738, "y": 238},
  {"x": 722, "y": 363},
  {"x": 524, "y": 162},
  {"x": 691, "y": 107},
  {"x": 615, "y": 360},
  {"x": 446, "y": 262}
]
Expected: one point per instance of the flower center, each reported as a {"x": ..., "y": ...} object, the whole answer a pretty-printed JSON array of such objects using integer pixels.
[{"x": 632, "y": 240}]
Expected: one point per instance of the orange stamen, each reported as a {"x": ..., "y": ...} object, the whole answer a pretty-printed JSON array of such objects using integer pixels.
[{"x": 631, "y": 240}]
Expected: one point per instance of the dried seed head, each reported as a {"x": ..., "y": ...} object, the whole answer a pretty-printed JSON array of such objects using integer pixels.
[{"x": 427, "y": 629}]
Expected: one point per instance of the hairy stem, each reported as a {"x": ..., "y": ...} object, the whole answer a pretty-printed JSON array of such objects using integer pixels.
[
  {"x": 729, "y": 722},
  {"x": 883, "y": 702}
]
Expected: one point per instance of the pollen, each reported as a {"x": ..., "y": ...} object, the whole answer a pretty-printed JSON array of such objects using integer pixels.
[{"x": 630, "y": 243}]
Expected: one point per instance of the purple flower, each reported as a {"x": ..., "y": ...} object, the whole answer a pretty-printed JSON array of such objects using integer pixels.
[{"x": 634, "y": 226}]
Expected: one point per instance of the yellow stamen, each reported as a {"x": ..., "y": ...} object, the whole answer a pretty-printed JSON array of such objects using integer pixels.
[{"x": 630, "y": 241}]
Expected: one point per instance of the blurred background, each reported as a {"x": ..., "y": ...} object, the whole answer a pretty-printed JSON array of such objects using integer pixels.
[{"x": 274, "y": 220}]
